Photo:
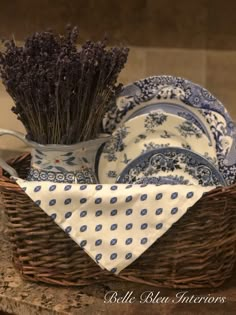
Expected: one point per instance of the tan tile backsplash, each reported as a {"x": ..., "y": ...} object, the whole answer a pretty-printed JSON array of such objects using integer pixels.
[
  {"x": 221, "y": 77},
  {"x": 189, "y": 64},
  {"x": 8, "y": 121},
  {"x": 135, "y": 68},
  {"x": 213, "y": 69}
]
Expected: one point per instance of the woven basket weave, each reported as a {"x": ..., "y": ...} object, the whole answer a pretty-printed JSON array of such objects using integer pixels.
[{"x": 198, "y": 251}]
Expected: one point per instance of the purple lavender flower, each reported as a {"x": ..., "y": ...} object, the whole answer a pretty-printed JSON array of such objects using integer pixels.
[{"x": 61, "y": 93}]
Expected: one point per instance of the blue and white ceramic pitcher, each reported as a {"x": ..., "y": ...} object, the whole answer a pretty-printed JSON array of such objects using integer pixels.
[{"x": 59, "y": 163}]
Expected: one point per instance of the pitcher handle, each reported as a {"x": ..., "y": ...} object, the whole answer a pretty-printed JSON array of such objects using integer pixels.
[{"x": 18, "y": 135}]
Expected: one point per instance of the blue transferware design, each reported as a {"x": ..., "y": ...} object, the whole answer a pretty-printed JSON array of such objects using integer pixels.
[
  {"x": 187, "y": 129},
  {"x": 225, "y": 146},
  {"x": 169, "y": 160},
  {"x": 153, "y": 145},
  {"x": 153, "y": 120},
  {"x": 175, "y": 109},
  {"x": 161, "y": 88},
  {"x": 116, "y": 144},
  {"x": 164, "y": 180},
  {"x": 146, "y": 132}
]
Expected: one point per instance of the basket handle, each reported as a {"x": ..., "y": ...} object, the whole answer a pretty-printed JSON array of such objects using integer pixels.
[
  {"x": 8, "y": 168},
  {"x": 18, "y": 135}
]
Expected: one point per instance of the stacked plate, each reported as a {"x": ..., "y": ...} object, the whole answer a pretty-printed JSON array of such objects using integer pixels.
[{"x": 168, "y": 130}]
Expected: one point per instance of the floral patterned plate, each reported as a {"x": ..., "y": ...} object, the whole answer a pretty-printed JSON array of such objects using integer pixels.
[
  {"x": 191, "y": 114},
  {"x": 163, "y": 163},
  {"x": 158, "y": 89},
  {"x": 225, "y": 145},
  {"x": 169, "y": 89},
  {"x": 213, "y": 125},
  {"x": 162, "y": 178},
  {"x": 146, "y": 132}
]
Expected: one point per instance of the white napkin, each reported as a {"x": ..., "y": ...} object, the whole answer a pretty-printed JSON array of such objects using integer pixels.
[{"x": 114, "y": 224}]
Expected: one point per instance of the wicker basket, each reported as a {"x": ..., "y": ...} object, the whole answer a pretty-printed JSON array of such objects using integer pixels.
[{"x": 198, "y": 251}]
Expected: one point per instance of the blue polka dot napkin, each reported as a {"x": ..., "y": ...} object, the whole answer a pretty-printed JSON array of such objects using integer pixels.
[{"x": 114, "y": 224}]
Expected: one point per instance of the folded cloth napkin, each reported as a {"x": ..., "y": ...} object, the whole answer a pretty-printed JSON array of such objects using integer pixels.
[{"x": 114, "y": 224}]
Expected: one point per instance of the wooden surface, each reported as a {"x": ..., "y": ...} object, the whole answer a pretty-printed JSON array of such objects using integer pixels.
[{"x": 28, "y": 298}]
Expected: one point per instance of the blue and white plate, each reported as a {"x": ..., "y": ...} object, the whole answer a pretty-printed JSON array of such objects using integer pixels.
[
  {"x": 152, "y": 92},
  {"x": 165, "y": 180},
  {"x": 193, "y": 115},
  {"x": 162, "y": 89},
  {"x": 163, "y": 163},
  {"x": 146, "y": 132}
]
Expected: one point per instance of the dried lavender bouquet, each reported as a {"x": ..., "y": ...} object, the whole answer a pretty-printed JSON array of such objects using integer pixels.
[{"x": 61, "y": 93}]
